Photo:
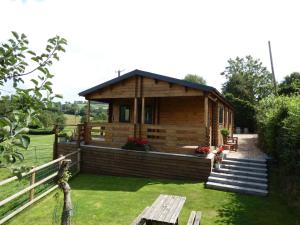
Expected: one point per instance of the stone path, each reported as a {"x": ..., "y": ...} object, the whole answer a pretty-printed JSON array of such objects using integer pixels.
[{"x": 247, "y": 148}]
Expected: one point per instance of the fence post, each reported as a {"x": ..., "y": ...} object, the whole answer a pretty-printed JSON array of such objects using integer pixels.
[
  {"x": 55, "y": 146},
  {"x": 78, "y": 160},
  {"x": 32, "y": 181},
  {"x": 79, "y": 130},
  {"x": 86, "y": 133}
]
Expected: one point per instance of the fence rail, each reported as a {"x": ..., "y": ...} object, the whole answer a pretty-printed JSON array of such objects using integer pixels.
[{"x": 41, "y": 181}]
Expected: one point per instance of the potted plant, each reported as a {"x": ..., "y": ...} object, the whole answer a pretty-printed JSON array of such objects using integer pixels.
[
  {"x": 203, "y": 150},
  {"x": 225, "y": 134},
  {"x": 137, "y": 144},
  {"x": 218, "y": 158}
]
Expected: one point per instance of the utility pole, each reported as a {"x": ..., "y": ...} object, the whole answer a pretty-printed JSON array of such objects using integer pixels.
[{"x": 272, "y": 67}]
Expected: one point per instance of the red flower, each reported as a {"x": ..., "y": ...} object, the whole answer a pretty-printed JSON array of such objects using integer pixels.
[
  {"x": 131, "y": 139},
  {"x": 138, "y": 141},
  {"x": 221, "y": 149},
  {"x": 203, "y": 150}
]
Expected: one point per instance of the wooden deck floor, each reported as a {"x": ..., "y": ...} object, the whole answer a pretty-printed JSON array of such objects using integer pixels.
[{"x": 247, "y": 147}]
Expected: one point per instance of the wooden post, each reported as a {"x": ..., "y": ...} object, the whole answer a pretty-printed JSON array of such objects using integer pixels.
[
  {"x": 32, "y": 181},
  {"x": 143, "y": 111},
  {"x": 78, "y": 160},
  {"x": 86, "y": 133},
  {"x": 79, "y": 128},
  {"x": 55, "y": 144},
  {"x": 88, "y": 112},
  {"x": 206, "y": 121},
  {"x": 135, "y": 113},
  {"x": 206, "y": 111}
]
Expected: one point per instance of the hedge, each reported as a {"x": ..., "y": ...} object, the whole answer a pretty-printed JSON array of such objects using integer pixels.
[
  {"x": 278, "y": 122},
  {"x": 41, "y": 131}
]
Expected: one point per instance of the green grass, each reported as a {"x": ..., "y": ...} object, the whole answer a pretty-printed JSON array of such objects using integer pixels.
[
  {"x": 39, "y": 152},
  {"x": 114, "y": 200},
  {"x": 72, "y": 119}
]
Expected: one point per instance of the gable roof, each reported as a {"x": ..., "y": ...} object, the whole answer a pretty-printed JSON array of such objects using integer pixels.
[{"x": 133, "y": 73}]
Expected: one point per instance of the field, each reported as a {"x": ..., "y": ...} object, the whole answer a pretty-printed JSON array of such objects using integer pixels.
[
  {"x": 114, "y": 200},
  {"x": 39, "y": 152}
]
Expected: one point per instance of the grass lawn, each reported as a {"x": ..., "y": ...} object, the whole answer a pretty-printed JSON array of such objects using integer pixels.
[
  {"x": 115, "y": 200},
  {"x": 39, "y": 152}
]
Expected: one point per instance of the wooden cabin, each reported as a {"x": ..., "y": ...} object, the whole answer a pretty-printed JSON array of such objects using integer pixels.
[{"x": 172, "y": 114}]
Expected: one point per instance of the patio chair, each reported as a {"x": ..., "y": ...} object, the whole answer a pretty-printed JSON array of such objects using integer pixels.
[
  {"x": 232, "y": 142},
  {"x": 195, "y": 218}
]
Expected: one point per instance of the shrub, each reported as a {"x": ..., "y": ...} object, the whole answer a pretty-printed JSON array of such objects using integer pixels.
[
  {"x": 225, "y": 132},
  {"x": 41, "y": 131},
  {"x": 278, "y": 121}
]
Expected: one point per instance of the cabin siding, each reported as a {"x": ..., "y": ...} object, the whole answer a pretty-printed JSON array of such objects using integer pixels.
[
  {"x": 182, "y": 111},
  {"x": 142, "y": 86}
]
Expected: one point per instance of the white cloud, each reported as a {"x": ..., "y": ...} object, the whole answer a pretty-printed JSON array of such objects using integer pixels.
[{"x": 169, "y": 37}]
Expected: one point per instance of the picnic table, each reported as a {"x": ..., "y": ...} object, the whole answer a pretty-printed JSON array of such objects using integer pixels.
[{"x": 165, "y": 210}]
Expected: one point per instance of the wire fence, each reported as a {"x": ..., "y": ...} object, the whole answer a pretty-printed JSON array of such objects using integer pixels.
[{"x": 16, "y": 195}]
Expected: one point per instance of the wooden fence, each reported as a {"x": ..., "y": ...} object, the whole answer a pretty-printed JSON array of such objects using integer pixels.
[{"x": 41, "y": 182}]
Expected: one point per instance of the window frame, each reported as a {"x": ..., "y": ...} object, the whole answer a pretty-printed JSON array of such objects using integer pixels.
[
  {"x": 123, "y": 120},
  {"x": 221, "y": 108}
]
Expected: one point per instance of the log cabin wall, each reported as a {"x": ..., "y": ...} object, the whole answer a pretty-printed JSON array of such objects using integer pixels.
[{"x": 188, "y": 111}]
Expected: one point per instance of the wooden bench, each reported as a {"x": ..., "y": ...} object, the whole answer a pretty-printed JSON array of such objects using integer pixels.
[
  {"x": 195, "y": 218},
  {"x": 140, "y": 219}
]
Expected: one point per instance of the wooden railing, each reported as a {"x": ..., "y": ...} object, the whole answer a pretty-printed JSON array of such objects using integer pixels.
[
  {"x": 113, "y": 134},
  {"x": 173, "y": 136},
  {"x": 40, "y": 179},
  {"x": 159, "y": 136}
]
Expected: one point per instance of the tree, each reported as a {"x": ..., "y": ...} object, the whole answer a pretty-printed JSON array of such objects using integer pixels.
[
  {"x": 25, "y": 104},
  {"x": 290, "y": 85},
  {"x": 15, "y": 59},
  {"x": 247, "y": 79},
  {"x": 195, "y": 79}
]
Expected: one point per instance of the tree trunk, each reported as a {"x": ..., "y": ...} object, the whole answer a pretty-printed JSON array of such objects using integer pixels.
[
  {"x": 67, "y": 208},
  {"x": 63, "y": 184}
]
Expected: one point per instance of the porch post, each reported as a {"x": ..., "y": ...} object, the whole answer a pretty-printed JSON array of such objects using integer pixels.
[
  {"x": 143, "y": 111},
  {"x": 206, "y": 111},
  {"x": 88, "y": 111},
  {"x": 135, "y": 113}
]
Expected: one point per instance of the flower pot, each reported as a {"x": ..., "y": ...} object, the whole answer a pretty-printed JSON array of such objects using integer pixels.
[{"x": 217, "y": 166}]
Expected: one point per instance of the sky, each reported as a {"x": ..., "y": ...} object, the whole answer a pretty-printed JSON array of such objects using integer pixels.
[{"x": 168, "y": 37}]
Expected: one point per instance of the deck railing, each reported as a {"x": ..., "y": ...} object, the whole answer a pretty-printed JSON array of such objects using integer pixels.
[
  {"x": 160, "y": 136},
  {"x": 114, "y": 134},
  {"x": 172, "y": 135}
]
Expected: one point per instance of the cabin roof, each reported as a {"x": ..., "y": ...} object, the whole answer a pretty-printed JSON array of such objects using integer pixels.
[{"x": 133, "y": 73}]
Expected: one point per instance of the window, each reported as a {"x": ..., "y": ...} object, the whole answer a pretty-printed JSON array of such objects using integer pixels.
[
  {"x": 124, "y": 113},
  {"x": 230, "y": 117},
  {"x": 221, "y": 114},
  {"x": 149, "y": 114}
]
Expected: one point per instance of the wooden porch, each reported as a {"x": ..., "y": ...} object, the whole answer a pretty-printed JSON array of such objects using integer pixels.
[{"x": 165, "y": 138}]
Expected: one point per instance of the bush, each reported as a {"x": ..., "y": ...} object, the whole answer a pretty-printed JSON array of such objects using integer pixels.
[
  {"x": 41, "y": 131},
  {"x": 278, "y": 121}
]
